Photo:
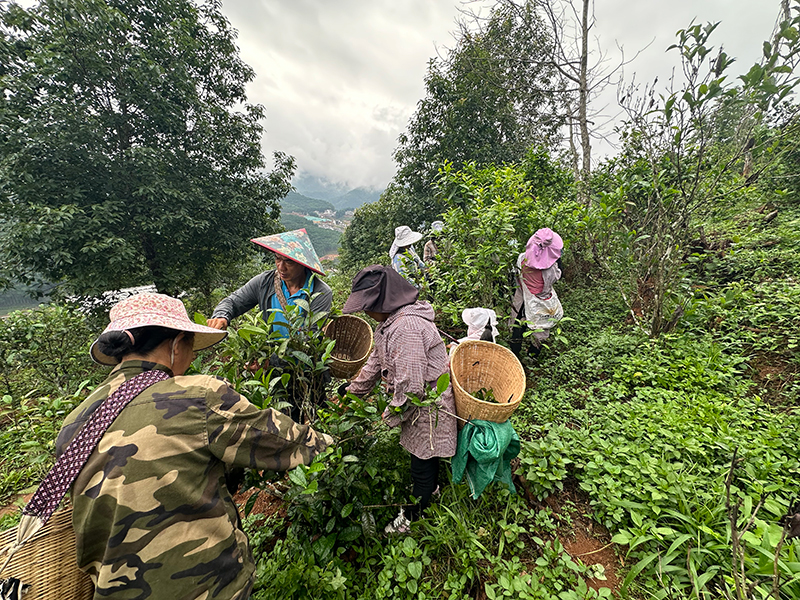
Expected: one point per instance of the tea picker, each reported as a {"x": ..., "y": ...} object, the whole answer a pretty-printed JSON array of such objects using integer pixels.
[
  {"x": 410, "y": 357},
  {"x": 294, "y": 281}
]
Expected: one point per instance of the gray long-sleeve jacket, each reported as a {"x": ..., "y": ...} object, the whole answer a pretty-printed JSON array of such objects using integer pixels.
[{"x": 260, "y": 290}]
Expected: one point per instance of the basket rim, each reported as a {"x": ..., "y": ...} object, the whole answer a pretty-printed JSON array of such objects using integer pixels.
[
  {"x": 363, "y": 359},
  {"x": 517, "y": 366}
]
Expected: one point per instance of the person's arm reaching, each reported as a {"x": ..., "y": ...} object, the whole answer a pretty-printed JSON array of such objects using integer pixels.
[
  {"x": 367, "y": 377},
  {"x": 238, "y": 303},
  {"x": 243, "y": 435}
]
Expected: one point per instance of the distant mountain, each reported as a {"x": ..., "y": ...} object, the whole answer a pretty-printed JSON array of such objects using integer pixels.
[
  {"x": 339, "y": 194},
  {"x": 318, "y": 187},
  {"x": 295, "y": 202},
  {"x": 357, "y": 197}
]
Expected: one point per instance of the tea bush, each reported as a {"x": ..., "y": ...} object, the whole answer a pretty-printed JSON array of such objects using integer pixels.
[{"x": 649, "y": 433}]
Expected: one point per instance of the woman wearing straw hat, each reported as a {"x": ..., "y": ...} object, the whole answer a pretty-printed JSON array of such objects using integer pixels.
[
  {"x": 535, "y": 300},
  {"x": 151, "y": 511},
  {"x": 405, "y": 259},
  {"x": 294, "y": 277},
  {"x": 408, "y": 354}
]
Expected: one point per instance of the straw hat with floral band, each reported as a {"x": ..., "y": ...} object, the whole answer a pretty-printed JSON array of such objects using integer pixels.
[
  {"x": 147, "y": 309},
  {"x": 294, "y": 245}
]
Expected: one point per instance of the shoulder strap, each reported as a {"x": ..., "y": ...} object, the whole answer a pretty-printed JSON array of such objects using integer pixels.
[
  {"x": 63, "y": 474},
  {"x": 278, "y": 284}
]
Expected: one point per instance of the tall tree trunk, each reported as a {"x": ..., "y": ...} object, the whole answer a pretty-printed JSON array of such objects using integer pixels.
[
  {"x": 573, "y": 149},
  {"x": 583, "y": 101}
]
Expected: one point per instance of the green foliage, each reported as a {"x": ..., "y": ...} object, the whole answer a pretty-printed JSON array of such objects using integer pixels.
[
  {"x": 367, "y": 239},
  {"x": 30, "y": 426},
  {"x": 45, "y": 371},
  {"x": 294, "y": 202},
  {"x": 491, "y": 213},
  {"x": 464, "y": 548},
  {"x": 486, "y": 102},
  {"x": 356, "y": 483},
  {"x": 128, "y": 153},
  {"x": 648, "y": 430},
  {"x": 270, "y": 368},
  {"x": 45, "y": 351},
  {"x": 679, "y": 158}
]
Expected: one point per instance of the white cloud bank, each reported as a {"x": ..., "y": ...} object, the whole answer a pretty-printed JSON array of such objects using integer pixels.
[{"x": 340, "y": 79}]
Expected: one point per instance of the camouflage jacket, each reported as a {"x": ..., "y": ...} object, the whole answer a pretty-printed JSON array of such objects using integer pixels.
[{"x": 152, "y": 515}]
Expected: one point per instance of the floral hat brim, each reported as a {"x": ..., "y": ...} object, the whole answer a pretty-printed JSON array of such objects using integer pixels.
[
  {"x": 294, "y": 245},
  {"x": 148, "y": 309}
]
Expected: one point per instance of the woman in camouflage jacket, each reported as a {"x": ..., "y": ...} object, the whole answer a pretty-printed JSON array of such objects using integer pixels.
[{"x": 152, "y": 514}]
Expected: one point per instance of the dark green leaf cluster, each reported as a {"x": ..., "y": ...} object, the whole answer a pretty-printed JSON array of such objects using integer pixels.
[{"x": 128, "y": 153}]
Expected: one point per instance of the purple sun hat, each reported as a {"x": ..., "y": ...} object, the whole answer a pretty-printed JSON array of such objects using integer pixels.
[{"x": 543, "y": 249}]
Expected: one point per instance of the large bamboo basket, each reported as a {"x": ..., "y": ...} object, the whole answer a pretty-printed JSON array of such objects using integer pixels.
[
  {"x": 48, "y": 561},
  {"x": 354, "y": 340},
  {"x": 476, "y": 364}
]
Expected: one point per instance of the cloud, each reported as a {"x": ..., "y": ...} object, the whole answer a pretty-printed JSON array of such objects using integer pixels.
[{"x": 340, "y": 80}]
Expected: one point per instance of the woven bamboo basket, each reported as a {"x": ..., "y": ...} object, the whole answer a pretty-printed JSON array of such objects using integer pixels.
[
  {"x": 48, "y": 561},
  {"x": 354, "y": 340},
  {"x": 476, "y": 364}
]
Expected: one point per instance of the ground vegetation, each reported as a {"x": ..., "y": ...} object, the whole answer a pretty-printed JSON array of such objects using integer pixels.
[{"x": 656, "y": 461}]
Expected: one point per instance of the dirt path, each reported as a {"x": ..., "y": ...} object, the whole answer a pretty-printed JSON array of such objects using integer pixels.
[{"x": 584, "y": 539}]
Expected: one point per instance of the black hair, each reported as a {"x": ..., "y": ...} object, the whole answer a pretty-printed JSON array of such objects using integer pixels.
[{"x": 117, "y": 344}]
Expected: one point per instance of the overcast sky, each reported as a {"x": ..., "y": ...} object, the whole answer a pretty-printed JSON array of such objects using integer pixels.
[{"x": 341, "y": 78}]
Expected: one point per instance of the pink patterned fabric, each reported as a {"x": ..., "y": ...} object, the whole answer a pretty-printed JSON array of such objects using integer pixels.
[
  {"x": 56, "y": 483},
  {"x": 294, "y": 245},
  {"x": 147, "y": 309},
  {"x": 543, "y": 249}
]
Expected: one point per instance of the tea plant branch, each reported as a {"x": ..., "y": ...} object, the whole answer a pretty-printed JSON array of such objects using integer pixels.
[{"x": 776, "y": 576}]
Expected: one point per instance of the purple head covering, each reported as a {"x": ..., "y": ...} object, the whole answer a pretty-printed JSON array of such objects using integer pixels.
[
  {"x": 379, "y": 289},
  {"x": 543, "y": 249}
]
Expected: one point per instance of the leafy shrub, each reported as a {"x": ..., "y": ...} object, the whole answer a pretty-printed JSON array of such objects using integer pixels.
[
  {"x": 491, "y": 214},
  {"x": 651, "y": 444},
  {"x": 45, "y": 351}
]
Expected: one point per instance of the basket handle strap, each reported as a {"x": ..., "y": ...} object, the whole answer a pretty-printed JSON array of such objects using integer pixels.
[
  {"x": 63, "y": 474},
  {"x": 276, "y": 283}
]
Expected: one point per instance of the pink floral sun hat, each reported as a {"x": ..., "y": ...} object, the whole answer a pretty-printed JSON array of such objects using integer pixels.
[
  {"x": 543, "y": 249},
  {"x": 147, "y": 309}
]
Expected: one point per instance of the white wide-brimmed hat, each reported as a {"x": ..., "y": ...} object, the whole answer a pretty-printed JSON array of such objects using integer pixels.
[
  {"x": 403, "y": 236},
  {"x": 147, "y": 309}
]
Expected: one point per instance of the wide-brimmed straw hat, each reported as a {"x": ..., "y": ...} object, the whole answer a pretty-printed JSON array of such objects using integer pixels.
[
  {"x": 149, "y": 309},
  {"x": 294, "y": 245},
  {"x": 405, "y": 236},
  {"x": 543, "y": 249}
]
